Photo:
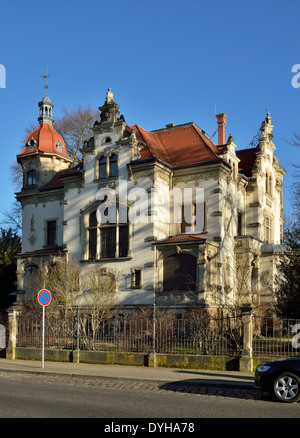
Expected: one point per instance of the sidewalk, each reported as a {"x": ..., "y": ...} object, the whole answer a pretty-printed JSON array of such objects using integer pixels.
[{"x": 134, "y": 373}]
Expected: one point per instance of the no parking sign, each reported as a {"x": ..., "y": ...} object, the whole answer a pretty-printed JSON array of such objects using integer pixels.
[{"x": 44, "y": 298}]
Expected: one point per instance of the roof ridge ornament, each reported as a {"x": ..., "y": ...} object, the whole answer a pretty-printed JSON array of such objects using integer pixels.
[
  {"x": 109, "y": 111},
  {"x": 109, "y": 96}
]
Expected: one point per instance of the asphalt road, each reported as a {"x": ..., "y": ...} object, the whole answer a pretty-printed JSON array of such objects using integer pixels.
[{"x": 31, "y": 396}]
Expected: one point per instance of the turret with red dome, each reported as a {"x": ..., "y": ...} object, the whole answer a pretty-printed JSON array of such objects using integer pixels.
[{"x": 45, "y": 151}]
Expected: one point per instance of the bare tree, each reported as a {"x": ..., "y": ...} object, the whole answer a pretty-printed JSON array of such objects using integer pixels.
[
  {"x": 62, "y": 278},
  {"x": 296, "y": 185},
  {"x": 99, "y": 293},
  {"x": 98, "y": 296},
  {"x": 13, "y": 218},
  {"x": 75, "y": 126},
  {"x": 70, "y": 288}
]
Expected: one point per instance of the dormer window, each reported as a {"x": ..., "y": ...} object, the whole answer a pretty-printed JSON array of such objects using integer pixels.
[
  {"x": 106, "y": 140},
  {"x": 31, "y": 178},
  {"x": 59, "y": 147},
  {"x": 32, "y": 143}
]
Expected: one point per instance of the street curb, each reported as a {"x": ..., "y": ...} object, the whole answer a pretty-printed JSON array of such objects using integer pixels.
[{"x": 174, "y": 383}]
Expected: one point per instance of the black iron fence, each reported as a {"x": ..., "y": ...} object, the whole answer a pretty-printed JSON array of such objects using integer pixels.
[
  {"x": 163, "y": 333},
  {"x": 275, "y": 337},
  {"x": 130, "y": 333}
]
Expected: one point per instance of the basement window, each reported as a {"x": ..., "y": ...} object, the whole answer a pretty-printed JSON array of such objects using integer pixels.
[{"x": 136, "y": 279}]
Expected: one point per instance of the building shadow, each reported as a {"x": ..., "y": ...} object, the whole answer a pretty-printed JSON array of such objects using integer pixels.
[
  {"x": 218, "y": 389},
  {"x": 202, "y": 373}
]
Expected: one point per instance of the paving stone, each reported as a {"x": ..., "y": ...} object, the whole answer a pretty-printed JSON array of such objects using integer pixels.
[{"x": 132, "y": 385}]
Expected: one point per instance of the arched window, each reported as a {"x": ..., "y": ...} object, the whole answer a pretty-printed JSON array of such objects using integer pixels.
[
  {"x": 113, "y": 165},
  {"x": 31, "y": 178},
  {"x": 180, "y": 273},
  {"x": 102, "y": 168},
  {"x": 106, "y": 140}
]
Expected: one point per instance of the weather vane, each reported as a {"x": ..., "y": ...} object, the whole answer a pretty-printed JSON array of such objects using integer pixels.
[{"x": 46, "y": 76}]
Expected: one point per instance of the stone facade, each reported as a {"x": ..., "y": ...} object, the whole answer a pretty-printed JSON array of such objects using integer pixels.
[{"x": 225, "y": 253}]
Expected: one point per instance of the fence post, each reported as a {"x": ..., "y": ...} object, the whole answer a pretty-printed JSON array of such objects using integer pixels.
[
  {"x": 246, "y": 361},
  {"x": 152, "y": 355},
  {"x": 12, "y": 333},
  {"x": 76, "y": 353}
]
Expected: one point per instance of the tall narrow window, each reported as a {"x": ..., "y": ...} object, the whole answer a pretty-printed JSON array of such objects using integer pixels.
[
  {"x": 31, "y": 178},
  {"x": 270, "y": 185},
  {"x": 108, "y": 242},
  {"x": 51, "y": 233},
  {"x": 92, "y": 235},
  {"x": 102, "y": 168},
  {"x": 268, "y": 230},
  {"x": 239, "y": 224},
  {"x": 136, "y": 282},
  {"x": 123, "y": 240},
  {"x": 193, "y": 218},
  {"x": 113, "y": 165}
]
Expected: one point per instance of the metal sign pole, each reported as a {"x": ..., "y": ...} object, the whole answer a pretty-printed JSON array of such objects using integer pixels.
[
  {"x": 44, "y": 298},
  {"x": 43, "y": 339}
]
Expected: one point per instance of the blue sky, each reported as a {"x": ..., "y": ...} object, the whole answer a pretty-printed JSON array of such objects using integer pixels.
[{"x": 166, "y": 61}]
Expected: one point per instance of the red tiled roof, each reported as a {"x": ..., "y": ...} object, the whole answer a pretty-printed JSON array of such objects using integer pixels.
[
  {"x": 183, "y": 238},
  {"x": 57, "y": 182},
  {"x": 177, "y": 146},
  {"x": 49, "y": 250},
  {"x": 46, "y": 139}
]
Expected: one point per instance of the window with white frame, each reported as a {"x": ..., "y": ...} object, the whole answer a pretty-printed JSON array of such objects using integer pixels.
[
  {"x": 108, "y": 166},
  {"x": 108, "y": 239}
]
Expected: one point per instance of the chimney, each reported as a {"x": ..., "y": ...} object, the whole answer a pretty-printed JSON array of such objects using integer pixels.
[{"x": 221, "y": 118}]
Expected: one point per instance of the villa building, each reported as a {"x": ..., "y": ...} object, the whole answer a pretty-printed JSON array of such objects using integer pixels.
[{"x": 186, "y": 222}]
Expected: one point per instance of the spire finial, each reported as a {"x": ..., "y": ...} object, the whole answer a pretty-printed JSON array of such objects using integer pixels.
[
  {"x": 268, "y": 118},
  {"x": 46, "y": 76}
]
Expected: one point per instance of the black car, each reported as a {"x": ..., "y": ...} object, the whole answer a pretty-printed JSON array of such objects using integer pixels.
[{"x": 281, "y": 378}]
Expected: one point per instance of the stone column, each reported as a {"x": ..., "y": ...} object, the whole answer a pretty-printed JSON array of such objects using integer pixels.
[
  {"x": 12, "y": 333},
  {"x": 246, "y": 361}
]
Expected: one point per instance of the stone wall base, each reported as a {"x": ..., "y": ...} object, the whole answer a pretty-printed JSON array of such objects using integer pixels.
[
  {"x": 137, "y": 359},
  {"x": 221, "y": 363}
]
